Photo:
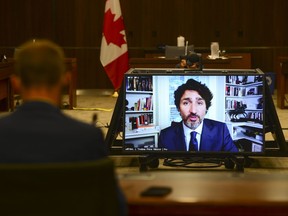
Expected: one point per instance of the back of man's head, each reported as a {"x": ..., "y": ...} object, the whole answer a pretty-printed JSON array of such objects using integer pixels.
[{"x": 39, "y": 62}]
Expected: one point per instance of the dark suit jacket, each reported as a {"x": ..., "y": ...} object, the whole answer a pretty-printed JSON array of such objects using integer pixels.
[
  {"x": 40, "y": 132},
  {"x": 215, "y": 137},
  {"x": 37, "y": 132}
]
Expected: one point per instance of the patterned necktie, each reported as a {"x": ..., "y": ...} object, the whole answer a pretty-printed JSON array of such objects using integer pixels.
[{"x": 193, "y": 145}]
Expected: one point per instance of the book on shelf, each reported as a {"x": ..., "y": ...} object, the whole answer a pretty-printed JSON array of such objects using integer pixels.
[{"x": 144, "y": 104}]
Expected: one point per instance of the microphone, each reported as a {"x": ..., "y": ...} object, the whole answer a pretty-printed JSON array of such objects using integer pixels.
[
  {"x": 186, "y": 47},
  {"x": 94, "y": 119}
]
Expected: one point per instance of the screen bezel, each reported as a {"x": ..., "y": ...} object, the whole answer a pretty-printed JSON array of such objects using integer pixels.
[{"x": 185, "y": 72}]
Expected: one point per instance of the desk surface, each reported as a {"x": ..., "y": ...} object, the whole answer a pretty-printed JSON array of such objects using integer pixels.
[
  {"x": 233, "y": 61},
  {"x": 257, "y": 191}
]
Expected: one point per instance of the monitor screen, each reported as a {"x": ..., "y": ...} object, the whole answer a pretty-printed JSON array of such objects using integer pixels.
[
  {"x": 174, "y": 52},
  {"x": 184, "y": 112}
]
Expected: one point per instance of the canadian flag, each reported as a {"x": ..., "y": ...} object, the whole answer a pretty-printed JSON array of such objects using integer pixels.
[{"x": 114, "y": 49}]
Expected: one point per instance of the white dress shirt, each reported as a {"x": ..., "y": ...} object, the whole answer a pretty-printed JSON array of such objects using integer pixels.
[{"x": 187, "y": 132}]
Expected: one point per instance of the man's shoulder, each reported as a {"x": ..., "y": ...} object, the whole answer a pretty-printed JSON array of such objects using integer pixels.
[
  {"x": 53, "y": 120},
  {"x": 6, "y": 118},
  {"x": 81, "y": 125},
  {"x": 173, "y": 127}
]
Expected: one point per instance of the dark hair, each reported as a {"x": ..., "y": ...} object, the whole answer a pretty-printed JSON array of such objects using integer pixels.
[
  {"x": 192, "y": 58},
  {"x": 192, "y": 84},
  {"x": 39, "y": 62}
]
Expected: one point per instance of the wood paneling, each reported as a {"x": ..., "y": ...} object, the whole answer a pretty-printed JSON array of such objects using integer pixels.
[
  {"x": 257, "y": 26},
  {"x": 23, "y": 20}
]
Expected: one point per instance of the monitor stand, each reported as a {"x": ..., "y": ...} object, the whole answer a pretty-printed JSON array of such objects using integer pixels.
[
  {"x": 236, "y": 162},
  {"x": 148, "y": 161}
]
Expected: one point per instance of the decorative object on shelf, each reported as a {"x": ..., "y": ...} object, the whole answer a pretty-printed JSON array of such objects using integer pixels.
[
  {"x": 240, "y": 110},
  {"x": 244, "y": 110}
]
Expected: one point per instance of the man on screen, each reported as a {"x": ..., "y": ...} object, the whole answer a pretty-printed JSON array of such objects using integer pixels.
[{"x": 195, "y": 132}]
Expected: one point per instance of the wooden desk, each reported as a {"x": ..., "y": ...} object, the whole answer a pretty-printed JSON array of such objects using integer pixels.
[
  {"x": 201, "y": 193},
  {"x": 282, "y": 78},
  {"x": 260, "y": 190},
  {"x": 6, "y": 92},
  {"x": 233, "y": 61},
  {"x": 157, "y": 62}
]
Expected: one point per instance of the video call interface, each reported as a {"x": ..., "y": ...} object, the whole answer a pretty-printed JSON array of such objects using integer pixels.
[{"x": 237, "y": 103}]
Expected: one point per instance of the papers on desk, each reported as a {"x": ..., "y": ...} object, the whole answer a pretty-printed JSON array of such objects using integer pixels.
[
  {"x": 224, "y": 57},
  {"x": 213, "y": 58}
]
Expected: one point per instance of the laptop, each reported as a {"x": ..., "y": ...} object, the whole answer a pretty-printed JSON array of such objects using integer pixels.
[{"x": 174, "y": 52}]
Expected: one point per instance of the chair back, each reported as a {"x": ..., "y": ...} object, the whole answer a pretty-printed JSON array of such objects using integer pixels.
[
  {"x": 78, "y": 188},
  {"x": 284, "y": 67}
]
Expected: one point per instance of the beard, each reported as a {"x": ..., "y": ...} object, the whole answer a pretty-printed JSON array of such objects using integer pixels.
[{"x": 192, "y": 124}]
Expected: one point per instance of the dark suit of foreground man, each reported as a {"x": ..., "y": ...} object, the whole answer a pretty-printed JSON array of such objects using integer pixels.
[
  {"x": 37, "y": 131},
  {"x": 193, "y": 100}
]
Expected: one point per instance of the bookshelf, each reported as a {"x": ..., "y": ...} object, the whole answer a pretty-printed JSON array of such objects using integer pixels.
[
  {"x": 244, "y": 110},
  {"x": 140, "y": 129}
]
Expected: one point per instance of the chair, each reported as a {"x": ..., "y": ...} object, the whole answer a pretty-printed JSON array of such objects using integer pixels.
[{"x": 79, "y": 188}]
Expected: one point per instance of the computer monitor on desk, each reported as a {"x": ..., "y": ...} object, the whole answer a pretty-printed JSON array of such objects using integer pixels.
[
  {"x": 233, "y": 111},
  {"x": 174, "y": 52},
  {"x": 238, "y": 109}
]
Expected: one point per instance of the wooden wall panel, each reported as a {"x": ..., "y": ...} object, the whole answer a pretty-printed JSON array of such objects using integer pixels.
[
  {"x": 24, "y": 20},
  {"x": 90, "y": 71},
  {"x": 258, "y": 26},
  {"x": 79, "y": 29},
  {"x": 131, "y": 11},
  {"x": 65, "y": 30}
]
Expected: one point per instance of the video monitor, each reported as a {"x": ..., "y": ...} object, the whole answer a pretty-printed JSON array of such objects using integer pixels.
[
  {"x": 174, "y": 111},
  {"x": 175, "y": 52}
]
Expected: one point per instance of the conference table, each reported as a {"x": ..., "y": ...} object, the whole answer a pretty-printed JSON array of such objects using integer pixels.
[
  {"x": 231, "y": 61},
  {"x": 260, "y": 190}
]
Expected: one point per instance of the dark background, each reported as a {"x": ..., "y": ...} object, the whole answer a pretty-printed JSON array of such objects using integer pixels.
[{"x": 256, "y": 26}]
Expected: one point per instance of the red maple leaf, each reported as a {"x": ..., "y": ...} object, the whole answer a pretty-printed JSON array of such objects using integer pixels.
[{"x": 112, "y": 29}]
